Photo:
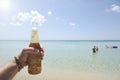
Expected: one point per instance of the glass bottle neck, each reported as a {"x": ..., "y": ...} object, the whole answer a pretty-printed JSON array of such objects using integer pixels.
[{"x": 34, "y": 35}]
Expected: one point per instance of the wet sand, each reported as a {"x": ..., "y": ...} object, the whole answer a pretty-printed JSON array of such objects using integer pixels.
[{"x": 57, "y": 74}]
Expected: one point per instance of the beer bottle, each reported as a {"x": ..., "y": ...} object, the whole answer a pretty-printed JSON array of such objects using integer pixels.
[{"x": 34, "y": 61}]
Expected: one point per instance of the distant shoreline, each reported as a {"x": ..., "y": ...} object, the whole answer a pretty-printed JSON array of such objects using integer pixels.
[{"x": 71, "y": 40}]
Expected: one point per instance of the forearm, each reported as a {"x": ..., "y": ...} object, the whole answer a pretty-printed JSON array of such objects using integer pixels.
[{"x": 9, "y": 70}]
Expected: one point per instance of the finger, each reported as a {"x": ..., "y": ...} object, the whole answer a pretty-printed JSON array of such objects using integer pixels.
[
  {"x": 41, "y": 54},
  {"x": 41, "y": 47},
  {"x": 37, "y": 51},
  {"x": 28, "y": 49},
  {"x": 31, "y": 50}
]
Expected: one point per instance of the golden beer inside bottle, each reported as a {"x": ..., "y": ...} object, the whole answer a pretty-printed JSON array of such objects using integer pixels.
[{"x": 34, "y": 61}]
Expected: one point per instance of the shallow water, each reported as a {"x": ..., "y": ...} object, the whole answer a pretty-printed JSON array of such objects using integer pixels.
[{"x": 70, "y": 55}]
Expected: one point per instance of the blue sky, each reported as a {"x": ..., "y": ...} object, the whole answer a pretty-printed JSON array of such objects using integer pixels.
[{"x": 60, "y": 19}]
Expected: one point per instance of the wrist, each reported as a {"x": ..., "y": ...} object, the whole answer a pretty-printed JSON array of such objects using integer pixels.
[{"x": 18, "y": 63}]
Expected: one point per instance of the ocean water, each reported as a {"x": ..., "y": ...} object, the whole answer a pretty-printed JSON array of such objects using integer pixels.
[{"x": 70, "y": 54}]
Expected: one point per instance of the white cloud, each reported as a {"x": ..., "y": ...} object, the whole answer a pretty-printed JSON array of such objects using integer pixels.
[
  {"x": 39, "y": 19},
  {"x": 72, "y": 24},
  {"x": 115, "y": 8},
  {"x": 34, "y": 13},
  {"x": 32, "y": 17},
  {"x": 23, "y": 16},
  {"x": 49, "y": 13}
]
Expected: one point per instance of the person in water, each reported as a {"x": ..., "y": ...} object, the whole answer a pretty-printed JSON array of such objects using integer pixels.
[
  {"x": 95, "y": 49},
  {"x": 111, "y": 46},
  {"x": 12, "y": 67}
]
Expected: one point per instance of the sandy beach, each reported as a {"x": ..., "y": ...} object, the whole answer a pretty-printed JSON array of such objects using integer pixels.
[{"x": 55, "y": 74}]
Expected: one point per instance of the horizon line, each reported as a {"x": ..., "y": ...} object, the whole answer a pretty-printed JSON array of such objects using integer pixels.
[{"x": 63, "y": 40}]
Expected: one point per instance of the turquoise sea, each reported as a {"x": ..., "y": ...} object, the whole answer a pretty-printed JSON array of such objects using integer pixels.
[{"x": 73, "y": 55}]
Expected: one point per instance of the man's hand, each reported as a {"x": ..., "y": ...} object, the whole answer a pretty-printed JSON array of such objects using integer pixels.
[{"x": 23, "y": 56}]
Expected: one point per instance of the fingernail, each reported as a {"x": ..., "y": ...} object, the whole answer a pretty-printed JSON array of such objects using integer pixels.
[{"x": 36, "y": 50}]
